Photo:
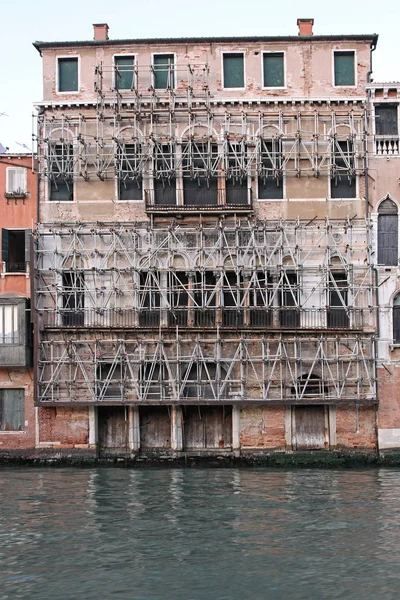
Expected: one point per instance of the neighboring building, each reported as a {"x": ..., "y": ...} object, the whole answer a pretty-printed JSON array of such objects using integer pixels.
[
  {"x": 204, "y": 277},
  {"x": 18, "y": 196},
  {"x": 384, "y": 183}
]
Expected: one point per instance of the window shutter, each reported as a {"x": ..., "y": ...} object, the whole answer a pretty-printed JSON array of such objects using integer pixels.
[
  {"x": 4, "y": 245},
  {"x": 28, "y": 237},
  {"x": 15, "y": 180}
]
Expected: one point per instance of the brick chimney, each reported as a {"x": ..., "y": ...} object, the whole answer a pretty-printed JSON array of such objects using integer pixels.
[
  {"x": 100, "y": 32},
  {"x": 305, "y": 26}
]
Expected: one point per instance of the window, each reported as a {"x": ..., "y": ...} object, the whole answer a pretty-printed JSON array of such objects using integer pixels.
[
  {"x": 9, "y": 324},
  {"x": 236, "y": 173},
  {"x": 260, "y": 298},
  {"x": 73, "y": 298},
  {"x": 149, "y": 298},
  {"x": 164, "y": 174},
  {"x": 273, "y": 69},
  {"x": 164, "y": 76},
  {"x": 12, "y": 410},
  {"x": 68, "y": 74},
  {"x": 233, "y": 66},
  {"x": 270, "y": 180},
  {"x": 343, "y": 174},
  {"x": 15, "y": 249},
  {"x": 386, "y": 119},
  {"x": 396, "y": 319},
  {"x": 289, "y": 297},
  {"x": 124, "y": 72},
  {"x": 61, "y": 171},
  {"x": 110, "y": 382},
  {"x": 337, "y": 315},
  {"x": 129, "y": 171},
  {"x": 388, "y": 233},
  {"x": 232, "y": 297},
  {"x": 15, "y": 182},
  {"x": 204, "y": 294},
  {"x": 344, "y": 68},
  {"x": 178, "y": 286},
  {"x": 200, "y": 173}
]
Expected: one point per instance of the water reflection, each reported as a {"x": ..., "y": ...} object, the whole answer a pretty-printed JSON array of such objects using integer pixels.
[{"x": 199, "y": 534}]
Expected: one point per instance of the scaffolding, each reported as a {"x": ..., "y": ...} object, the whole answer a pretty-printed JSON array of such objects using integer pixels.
[
  {"x": 276, "y": 302},
  {"x": 225, "y": 142}
]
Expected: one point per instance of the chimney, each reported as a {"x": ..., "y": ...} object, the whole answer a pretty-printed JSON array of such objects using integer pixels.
[
  {"x": 305, "y": 27},
  {"x": 100, "y": 32}
]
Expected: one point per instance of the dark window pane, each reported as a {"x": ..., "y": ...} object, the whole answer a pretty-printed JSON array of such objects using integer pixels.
[
  {"x": 396, "y": 319},
  {"x": 344, "y": 68},
  {"x": 233, "y": 70},
  {"x": 124, "y": 72},
  {"x": 130, "y": 189},
  {"x": 67, "y": 74},
  {"x": 164, "y": 71},
  {"x": 343, "y": 180},
  {"x": 386, "y": 119},
  {"x": 236, "y": 191},
  {"x": 11, "y": 410},
  {"x": 270, "y": 188},
  {"x": 201, "y": 191},
  {"x": 61, "y": 190},
  {"x": 165, "y": 191},
  {"x": 274, "y": 70},
  {"x": 388, "y": 240},
  {"x": 337, "y": 313}
]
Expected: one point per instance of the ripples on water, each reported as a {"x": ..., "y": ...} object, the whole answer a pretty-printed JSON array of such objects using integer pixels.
[{"x": 199, "y": 534}]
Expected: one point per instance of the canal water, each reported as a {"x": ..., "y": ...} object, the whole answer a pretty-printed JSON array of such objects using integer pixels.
[{"x": 195, "y": 534}]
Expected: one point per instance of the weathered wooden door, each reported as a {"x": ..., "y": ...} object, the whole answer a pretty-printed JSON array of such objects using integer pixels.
[
  {"x": 207, "y": 427},
  {"x": 388, "y": 240},
  {"x": 310, "y": 428},
  {"x": 155, "y": 427},
  {"x": 112, "y": 427}
]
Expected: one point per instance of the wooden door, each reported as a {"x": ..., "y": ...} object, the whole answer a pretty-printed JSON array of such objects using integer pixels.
[
  {"x": 310, "y": 428},
  {"x": 112, "y": 427}
]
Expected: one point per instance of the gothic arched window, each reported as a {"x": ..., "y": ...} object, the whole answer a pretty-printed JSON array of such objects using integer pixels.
[{"x": 388, "y": 233}]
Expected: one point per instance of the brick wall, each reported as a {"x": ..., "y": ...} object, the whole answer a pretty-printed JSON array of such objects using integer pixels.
[
  {"x": 262, "y": 427},
  {"x": 66, "y": 427},
  {"x": 354, "y": 432}
]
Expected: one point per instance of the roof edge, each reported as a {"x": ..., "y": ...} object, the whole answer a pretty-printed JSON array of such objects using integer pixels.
[{"x": 373, "y": 37}]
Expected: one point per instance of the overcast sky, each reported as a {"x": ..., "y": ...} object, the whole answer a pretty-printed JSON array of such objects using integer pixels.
[{"x": 24, "y": 21}]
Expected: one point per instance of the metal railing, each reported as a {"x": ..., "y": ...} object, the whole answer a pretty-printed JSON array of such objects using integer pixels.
[
  {"x": 15, "y": 267},
  {"x": 201, "y": 197},
  {"x": 272, "y": 318}
]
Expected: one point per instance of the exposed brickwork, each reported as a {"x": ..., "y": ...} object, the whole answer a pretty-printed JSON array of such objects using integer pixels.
[
  {"x": 262, "y": 427},
  {"x": 353, "y": 432},
  {"x": 389, "y": 397},
  {"x": 67, "y": 426}
]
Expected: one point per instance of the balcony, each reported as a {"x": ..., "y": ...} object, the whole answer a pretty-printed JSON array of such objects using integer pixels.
[
  {"x": 286, "y": 318},
  {"x": 387, "y": 145},
  {"x": 200, "y": 199}
]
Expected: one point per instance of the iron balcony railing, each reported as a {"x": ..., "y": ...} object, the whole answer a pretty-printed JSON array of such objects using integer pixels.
[
  {"x": 201, "y": 198},
  {"x": 257, "y": 317},
  {"x": 15, "y": 267}
]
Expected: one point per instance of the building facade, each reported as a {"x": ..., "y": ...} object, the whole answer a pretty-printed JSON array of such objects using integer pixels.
[
  {"x": 205, "y": 277},
  {"x": 18, "y": 194}
]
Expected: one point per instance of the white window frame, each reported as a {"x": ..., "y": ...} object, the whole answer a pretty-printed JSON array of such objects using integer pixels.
[
  {"x": 153, "y": 54},
  {"x": 15, "y": 323},
  {"x": 124, "y": 55},
  {"x": 22, "y": 190},
  {"x": 338, "y": 51},
  {"x": 277, "y": 87},
  {"x": 230, "y": 89},
  {"x": 79, "y": 73}
]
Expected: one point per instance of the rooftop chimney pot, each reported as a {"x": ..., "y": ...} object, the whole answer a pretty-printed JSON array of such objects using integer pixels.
[
  {"x": 305, "y": 27},
  {"x": 100, "y": 32}
]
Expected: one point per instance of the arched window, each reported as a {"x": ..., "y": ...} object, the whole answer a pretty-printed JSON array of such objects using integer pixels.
[
  {"x": 396, "y": 319},
  {"x": 388, "y": 233}
]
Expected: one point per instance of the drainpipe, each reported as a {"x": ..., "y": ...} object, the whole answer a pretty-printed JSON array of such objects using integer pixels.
[{"x": 374, "y": 269}]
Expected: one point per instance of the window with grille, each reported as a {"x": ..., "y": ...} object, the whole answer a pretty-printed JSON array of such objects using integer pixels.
[
  {"x": 15, "y": 181},
  {"x": 12, "y": 409},
  {"x": 9, "y": 324}
]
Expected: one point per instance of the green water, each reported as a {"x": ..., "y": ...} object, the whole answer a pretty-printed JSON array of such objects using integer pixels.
[{"x": 199, "y": 534}]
